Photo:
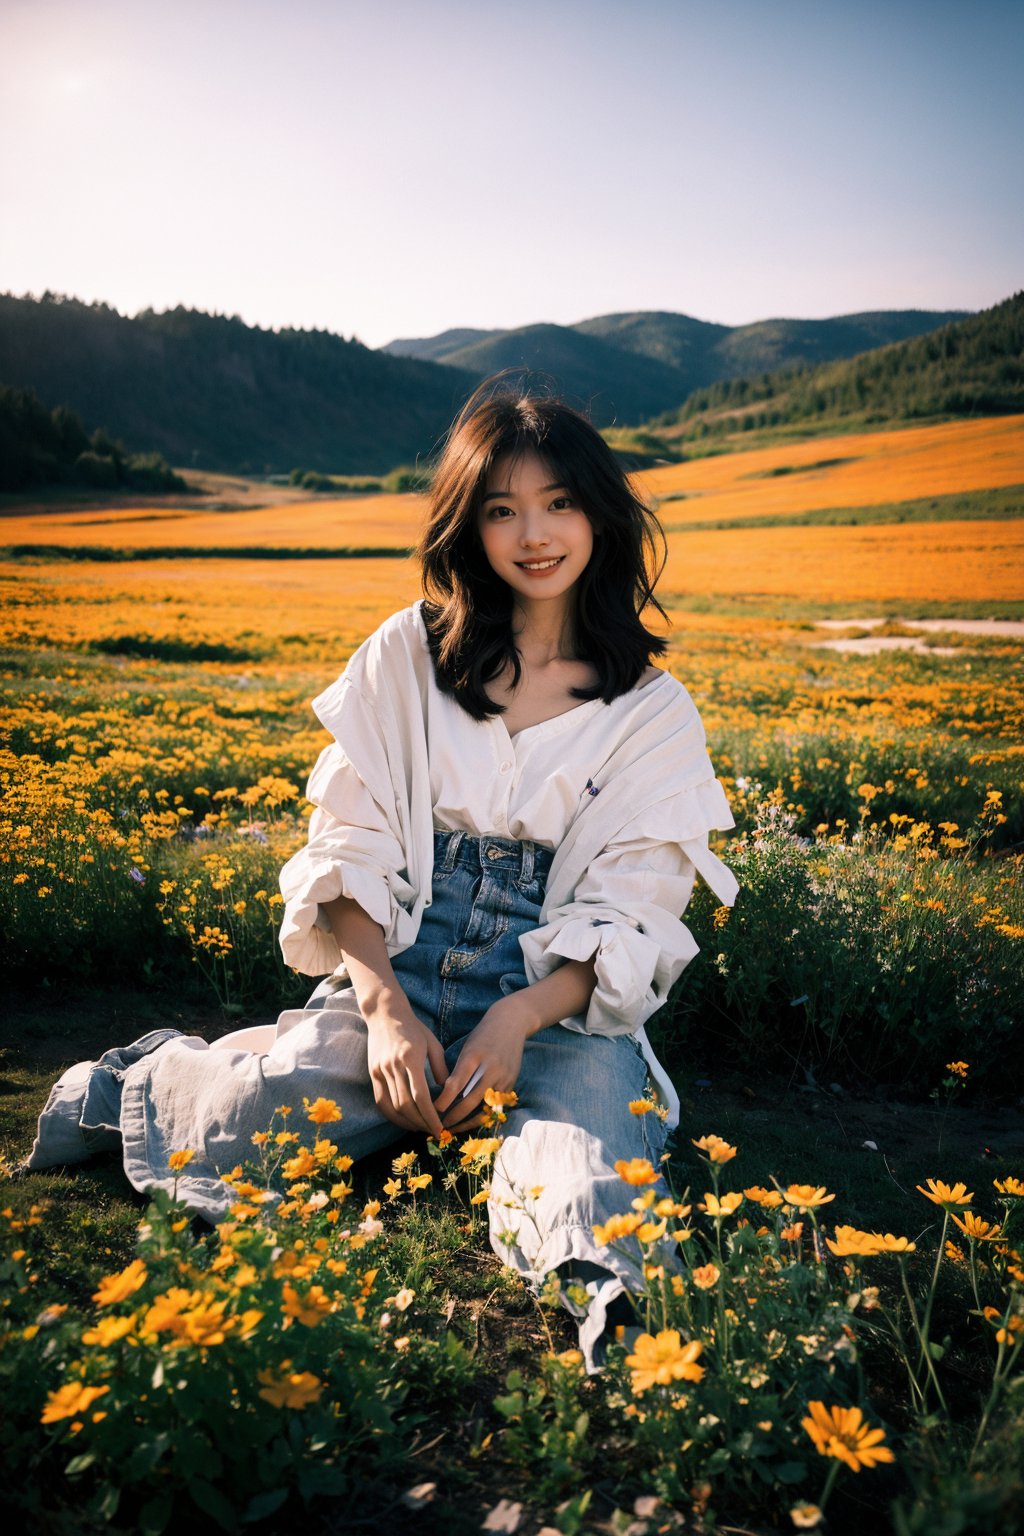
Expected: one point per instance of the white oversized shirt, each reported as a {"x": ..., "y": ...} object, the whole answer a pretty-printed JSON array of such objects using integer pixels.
[{"x": 406, "y": 759}]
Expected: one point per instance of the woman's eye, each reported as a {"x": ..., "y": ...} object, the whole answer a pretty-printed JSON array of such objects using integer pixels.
[
  {"x": 562, "y": 502},
  {"x": 497, "y": 511}
]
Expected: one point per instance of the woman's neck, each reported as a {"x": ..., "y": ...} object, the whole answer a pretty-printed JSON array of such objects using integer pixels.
[{"x": 543, "y": 633}]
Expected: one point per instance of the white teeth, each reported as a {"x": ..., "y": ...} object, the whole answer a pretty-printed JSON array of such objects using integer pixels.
[{"x": 541, "y": 565}]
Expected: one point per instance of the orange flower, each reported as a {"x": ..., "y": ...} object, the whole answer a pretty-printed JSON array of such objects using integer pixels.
[
  {"x": 119, "y": 1287},
  {"x": 322, "y": 1111},
  {"x": 849, "y": 1242},
  {"x": 769, "y": 1198},
  {"x": 178, "y": 1160},
  {"x": 718, "y": 1151},
  {"x": 886, "y": 1243},
  {"x": 299, "y": 1166},
  {"x": 69, "y": 1401},
  {"x": 805, "y": 1196},
  {"x": 711, "y": 1205},
  {"x": 309, "y": 1309},
  {"x": 981, "y": 1231},
  {"x": 941, "y": 1194},
  {"x": 637, "y": 1171},
  {"x": 707, "y": 1276},
  {"x": 616, "y": 1227},
  {"x": 842, "y": 1433},
  {"x": 661, "y": 1359},
  {"x": 793, "y": 1232},
  {"x": 294, "y": 1389}
]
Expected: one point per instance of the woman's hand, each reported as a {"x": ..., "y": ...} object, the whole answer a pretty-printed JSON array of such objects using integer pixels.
[
  {"x": 398, "y": 1048},
  {"x": 494, "y": 1049}
]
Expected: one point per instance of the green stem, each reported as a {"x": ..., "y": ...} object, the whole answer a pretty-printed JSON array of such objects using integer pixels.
[
  {"x": 1005, "y": 1361},
  {"x": 833, "y": 1473},
  {"x": 897, "y": 1333},
  {"x": 929, "y": 1362},
  {"x": 926, "y": 1325}
]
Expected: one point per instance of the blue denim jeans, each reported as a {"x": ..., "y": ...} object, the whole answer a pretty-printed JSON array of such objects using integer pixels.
[{"x": 572, "y": 1121}]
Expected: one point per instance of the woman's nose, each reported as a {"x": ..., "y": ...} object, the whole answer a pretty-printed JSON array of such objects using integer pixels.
[{"x": 532, "y": 534}]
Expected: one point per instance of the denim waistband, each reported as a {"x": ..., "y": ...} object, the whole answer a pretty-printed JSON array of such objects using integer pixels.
[{"x": 525, "y": 860}]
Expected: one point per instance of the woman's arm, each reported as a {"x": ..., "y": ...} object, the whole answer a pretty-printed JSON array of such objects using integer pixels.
[
  {"x": 495, "y": 1047},
  {"x": 398, "y": 1044}
]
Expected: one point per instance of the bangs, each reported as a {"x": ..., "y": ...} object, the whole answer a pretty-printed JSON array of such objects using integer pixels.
[{"x": 523, "y": 438}]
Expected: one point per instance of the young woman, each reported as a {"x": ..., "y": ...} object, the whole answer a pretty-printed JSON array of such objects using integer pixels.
[{"x": 507, "y": 825}]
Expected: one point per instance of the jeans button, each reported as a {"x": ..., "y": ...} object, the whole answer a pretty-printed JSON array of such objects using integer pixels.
[{"x": 494, "y": 853}]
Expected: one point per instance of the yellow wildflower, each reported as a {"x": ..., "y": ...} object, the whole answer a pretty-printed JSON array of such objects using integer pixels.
[
  {"x": 660, "y": 1359},
  {"x": 718, "y": 1150},
  {"x": 942, "y": 1194},
  {"x": 294, "y": 1389},
  {"x": 477, "y": 1149},
  {"x": 769, "y": 1198},
  {"x": 850, "y": 1242},
  {"x": 309, "y": 1309},
  {"x": 119, "y": 1287},
  {"x": 974, "y": 1226},
  {"x": 108, "y": 1330},
  {"x": 69, "y": 1401},
  {"x": 616, "y": 1227},
  {"x": 637, "y": 1171},
  {"x": 711, "y": 1205},
  {"x": 842, "y": 1433},
  {"x": 805, "y": 1196}
]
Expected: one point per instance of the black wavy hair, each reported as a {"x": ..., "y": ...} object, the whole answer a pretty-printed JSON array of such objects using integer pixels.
[{"x": 468, "y": 608}]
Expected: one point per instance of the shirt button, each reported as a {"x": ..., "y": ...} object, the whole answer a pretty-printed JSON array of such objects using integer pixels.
[{"x": 505, "y": 767}]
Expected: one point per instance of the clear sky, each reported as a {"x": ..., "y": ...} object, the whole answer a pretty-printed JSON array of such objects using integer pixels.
[{"x": 397, "y": 167}]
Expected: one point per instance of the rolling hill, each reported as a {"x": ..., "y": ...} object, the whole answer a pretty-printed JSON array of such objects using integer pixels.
[
  {"x": 209, "y": 392},
  {"x": 972, "y": 367},
  {"x": 618, "y": 364}
]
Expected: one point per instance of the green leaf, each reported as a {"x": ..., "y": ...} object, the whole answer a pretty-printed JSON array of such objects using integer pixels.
[
  {"x": 791, "y": 1471},
  {"x": 213, "y": 1503},
  {"x": 80, "y": 1463},
  {"x": 264, "y": 1504},
  {"x": 106, "y": 1504},
  {"x": 154, "y": 1517},
  {"x": 145, "y": 1456}
]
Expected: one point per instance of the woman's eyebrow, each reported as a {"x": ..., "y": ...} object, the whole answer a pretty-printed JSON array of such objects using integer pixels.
[{"x": 490, "y": 495}]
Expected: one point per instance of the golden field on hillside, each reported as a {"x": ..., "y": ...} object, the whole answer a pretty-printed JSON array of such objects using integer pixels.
[{"x": 865, "y": 470}]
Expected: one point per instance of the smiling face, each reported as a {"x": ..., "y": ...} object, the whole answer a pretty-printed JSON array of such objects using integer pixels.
[{"x": 535, "y": 536}]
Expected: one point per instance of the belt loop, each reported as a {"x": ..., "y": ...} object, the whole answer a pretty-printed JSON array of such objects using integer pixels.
[
  {"x": 526, "y": 874},
  {"x": 451, "y": 851}
]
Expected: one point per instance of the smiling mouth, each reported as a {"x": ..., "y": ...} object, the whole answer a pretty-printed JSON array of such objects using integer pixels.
[{"x": 539, "y": 565}]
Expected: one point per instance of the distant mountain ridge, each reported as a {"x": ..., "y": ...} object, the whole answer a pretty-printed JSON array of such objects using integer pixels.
[
  {"x": 619, "y": 365},
  {"x": 210, "y": 392},
  {"x": 971, "y": 367}
]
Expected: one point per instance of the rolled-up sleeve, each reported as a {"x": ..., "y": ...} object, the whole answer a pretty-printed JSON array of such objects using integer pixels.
[
  {"x": 353, "y": 849},
  {"x": 626, "y": 912}
]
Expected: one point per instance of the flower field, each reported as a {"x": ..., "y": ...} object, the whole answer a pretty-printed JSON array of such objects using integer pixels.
[{"x": 820, "y": 1343}]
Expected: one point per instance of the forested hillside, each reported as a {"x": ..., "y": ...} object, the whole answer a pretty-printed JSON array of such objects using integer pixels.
[
  {"x": 973, "y": 367},
  {"x": 209, "y": 392}
]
